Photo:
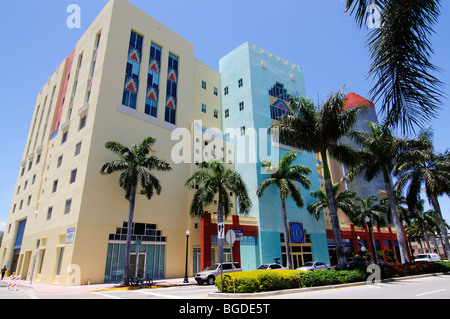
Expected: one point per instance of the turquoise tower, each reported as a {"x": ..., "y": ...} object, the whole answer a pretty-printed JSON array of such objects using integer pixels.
[{"x": 254, "y": 88}]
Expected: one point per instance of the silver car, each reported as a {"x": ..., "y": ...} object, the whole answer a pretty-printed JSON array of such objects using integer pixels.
[{"x": 314, "y": 265}]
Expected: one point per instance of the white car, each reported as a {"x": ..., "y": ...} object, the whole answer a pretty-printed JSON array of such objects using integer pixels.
[
  {"x": 272, "y": 266},
  {"x": 427, "y": 257},
  {"x": 314, "y": 265},
  {"x": 210, "y": 274}
]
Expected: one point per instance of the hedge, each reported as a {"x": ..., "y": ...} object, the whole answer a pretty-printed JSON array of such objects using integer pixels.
[{"x": 270, "y": 280}]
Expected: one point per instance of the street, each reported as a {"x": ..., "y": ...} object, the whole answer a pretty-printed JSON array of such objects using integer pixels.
[
  {"x": 437, "y": 287},
  {"x": 432, "y": 287}
]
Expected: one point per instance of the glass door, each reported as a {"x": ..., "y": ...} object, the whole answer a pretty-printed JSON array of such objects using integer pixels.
[{"x": 137, "y": 265}]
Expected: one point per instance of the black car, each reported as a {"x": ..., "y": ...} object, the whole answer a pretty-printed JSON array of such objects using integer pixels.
[{"x": 354, "y": 263}]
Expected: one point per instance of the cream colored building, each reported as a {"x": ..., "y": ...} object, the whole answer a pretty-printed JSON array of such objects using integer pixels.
[{"x": 66, "y": 223}]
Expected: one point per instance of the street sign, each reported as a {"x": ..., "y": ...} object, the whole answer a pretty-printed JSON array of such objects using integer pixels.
[
  {"x": 231, "y": 237},
  {"x": 221, "y": 230},
  {"x": 239, "y": 234}
]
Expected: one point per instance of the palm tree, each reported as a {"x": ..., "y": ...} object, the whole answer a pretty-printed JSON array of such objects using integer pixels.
[
  {"x": 422, "y": 166},
  {"x": 369, "y": 210},
  {"x": 400, "y": 52},
  {"x": 318, "y": 130},
  {"x": 284, "y": 178},
  {"x": 378, "y": 151},
  {"x": 135, "y": 168},
  {"x": 344, "y": 200},
  {"x": 425, "y": 221},
  {"x": 213, "y": 179}
]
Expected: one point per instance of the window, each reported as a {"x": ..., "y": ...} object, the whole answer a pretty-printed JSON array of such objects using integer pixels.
[
  {"x": 59, "y": 161},
  {"x": 33, "y": 179},
  {"x": 60, "y": 258},
  {"x": 203, "y": 108},
  {"x": 132, "y": 71},
  {"x": 94, "y": 61},
  {"x": 225, "y": 90},
  {"x": 68, "y": 205},
  {"x": 64, "y": 137},
  {"x": 75, "y": 84},
  {"x": 240, "y": 82},
  {"x": 29, "y": 200},
  {"x": 215, "y": 91},
  {"x": 77, "y": 149},
  {"x": 242, "y": 130},
  {"x": 216, "y": 114},
  {"x": 82, "y": 122},
  {"x": 73, "y": 176},
  {"x": 171, "y": 93},
  {"x": 227, "y": 113},
  {"x": 278, "y": 91},
  {"x": 55, "y": 185},
  {"x": 151, "y": 100},
  {"x": 49, "y": 213},
  {"x": 38, "y": 158},
  {"x": 204, "y": 85},
  {"x": 241, "y": 106}
]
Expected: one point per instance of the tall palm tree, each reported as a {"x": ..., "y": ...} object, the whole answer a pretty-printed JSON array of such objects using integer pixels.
[
  {"x": 422, "y": 166},
  {"x": 400, "y": 52},
  {"x": 214, "y": 179},
  {"x": 379, "y": 149},
  {"x": 284, "y": 178},
  {"x": 135, "y": 167},
  {"x": 318, "y": 130}
]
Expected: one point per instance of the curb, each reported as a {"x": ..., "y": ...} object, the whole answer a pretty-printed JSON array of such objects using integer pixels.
[{"x": 218, "y": 295}]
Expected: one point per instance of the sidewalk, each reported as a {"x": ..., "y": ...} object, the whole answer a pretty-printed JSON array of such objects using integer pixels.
[{"x": 40, "y": 288}]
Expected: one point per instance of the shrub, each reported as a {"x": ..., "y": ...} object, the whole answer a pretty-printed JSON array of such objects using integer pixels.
[
  {"x": 269, "y": 280},
  {"x": 260, "y": 280}
]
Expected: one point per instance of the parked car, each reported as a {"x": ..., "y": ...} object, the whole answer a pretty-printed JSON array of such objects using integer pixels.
[
  {"x": 354, "y": 263},
  {"x": 272, "y": 266},
  {"x": 210, "y": 274},
  {"x": 314, "y": 265},
  {"x": 427, "y": 257}
]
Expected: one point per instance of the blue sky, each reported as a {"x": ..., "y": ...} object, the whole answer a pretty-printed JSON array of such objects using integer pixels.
[{"x": 314, "y": 34}]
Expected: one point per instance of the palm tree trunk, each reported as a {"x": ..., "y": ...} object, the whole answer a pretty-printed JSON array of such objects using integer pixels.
[
  {"x": 333, "y": 211},
  {"x": 220, "y": 240},
  {"x": 286, "y": 234},
  {"x": 442, "y": 227},
  {"x": 398, "y": 225},
  {"x": 425, "y": 237},
  {"x": 126, "y": 266}
]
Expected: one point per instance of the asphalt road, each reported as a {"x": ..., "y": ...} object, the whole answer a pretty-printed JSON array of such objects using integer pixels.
[
  {"x": 433, "y": 287},
  {"x": 415, "y": 288}
]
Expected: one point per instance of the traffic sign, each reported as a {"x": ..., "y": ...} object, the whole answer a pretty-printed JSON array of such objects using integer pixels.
[
  {"x": 221, "y": 230},
  {"x": 231, "y": 237}
]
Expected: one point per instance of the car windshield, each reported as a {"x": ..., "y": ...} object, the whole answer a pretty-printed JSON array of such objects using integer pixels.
[
  {"x": 212, "y": 267},
  {"x": 263, "y": 267},
  {"x": 422, "y": 256},
  {"x": 308, "y": 264}
]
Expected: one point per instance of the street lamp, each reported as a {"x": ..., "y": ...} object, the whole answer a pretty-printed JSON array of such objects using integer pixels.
[{"x": 186, "y": 266}]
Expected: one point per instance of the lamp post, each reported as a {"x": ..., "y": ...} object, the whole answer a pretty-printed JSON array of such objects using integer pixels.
[{"x": 186, "y": 266}]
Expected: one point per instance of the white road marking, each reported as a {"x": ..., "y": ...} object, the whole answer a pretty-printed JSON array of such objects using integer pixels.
[
  {"x": 106, "y": 295},
  {"x": 430, "y": 292},
  {"x": 159, "y": 295}
]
